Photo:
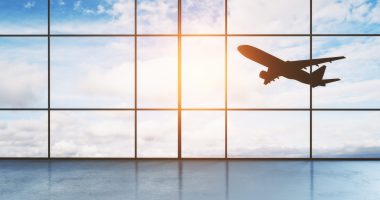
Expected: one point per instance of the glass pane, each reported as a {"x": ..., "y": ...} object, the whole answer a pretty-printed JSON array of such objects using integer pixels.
[
  {"x": 157, "y": 16},
  {"x": 23, "y": 73},
  {"x": 268, "y": 134},
  {"x": 275, "y": 16},
  {"x": 157, "y": 134},
  {"x": 23, "y": 134},
  {"x": 203, "y": 134},
  {"x": 92, "y": 17},
  {"x": 247, "y": 89},
  {"x": 203, "y": 72},
  {"x": 157, "y": 72},
  {"x": 24, "y": 17},
  {"x": 203, "y": 16},
  {"x": 346, "y": 134},
  {"x": 359, "y": 72},
  {"x": 92, "y": 72},
  {"x": 336, "y": 16},
  {"x": 92, "y": 134}
]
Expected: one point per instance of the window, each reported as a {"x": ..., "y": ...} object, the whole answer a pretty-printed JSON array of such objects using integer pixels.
[{"x": 164, "y": 79}]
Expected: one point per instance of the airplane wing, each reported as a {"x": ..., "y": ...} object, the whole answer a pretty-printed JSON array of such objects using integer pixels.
[
  {"x": 268, "y": 76},
  {"x": 300, "y": 64}
]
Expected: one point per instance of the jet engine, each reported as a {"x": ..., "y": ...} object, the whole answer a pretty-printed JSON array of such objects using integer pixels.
[{"x": 264, "y": 75}]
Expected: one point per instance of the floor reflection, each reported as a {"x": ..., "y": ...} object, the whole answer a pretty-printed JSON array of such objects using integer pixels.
[{"x": 185, "y": 180}]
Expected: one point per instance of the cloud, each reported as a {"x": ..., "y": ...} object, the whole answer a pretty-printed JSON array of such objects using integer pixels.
[
  {"x": 360, "y": 16},
  {"x": 77, "y": 5},
  {"x": 203, "y": 17},
  {"x": 95, "y": 72},
  {"x": 61, "y": 2},
  {"x": 157, "y": 134},
  {"x": 261, "y": 16},
  {"x": 358, "y": 87},
  {"x": 92, "y": 134},
  {"x": 106, "y": 17},
  {"x": 157, "y": 16},
  {"x": 203, "y": 134},
  {"x": 203, "y": 72},
  {"x": 345, "y": 134},
  {"x": 157, "y": 73},
  {"x": 23, "y": 77},
  {"x": 29, "y": 4},
  {"x": 23, "y": 134},
  {"x": 268, "y": 134}
]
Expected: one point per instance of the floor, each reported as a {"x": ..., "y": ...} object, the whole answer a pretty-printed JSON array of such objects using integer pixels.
[{"x": 216, "y": 180}]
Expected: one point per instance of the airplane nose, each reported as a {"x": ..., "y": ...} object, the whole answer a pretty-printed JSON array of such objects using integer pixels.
[{"x": 241, "y": 48}]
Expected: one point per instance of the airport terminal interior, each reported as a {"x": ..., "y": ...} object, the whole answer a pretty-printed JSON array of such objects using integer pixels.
[{"x": 187, "y": 99}]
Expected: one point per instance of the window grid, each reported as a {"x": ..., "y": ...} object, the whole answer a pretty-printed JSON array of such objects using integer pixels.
[{"x": 179, "y": 36}]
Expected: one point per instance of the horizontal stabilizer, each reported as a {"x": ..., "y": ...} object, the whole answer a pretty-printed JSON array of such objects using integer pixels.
[{"x": 325, "y": 81}]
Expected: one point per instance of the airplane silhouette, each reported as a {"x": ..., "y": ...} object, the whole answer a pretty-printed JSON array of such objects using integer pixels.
[{"x": 288, "y": 69}]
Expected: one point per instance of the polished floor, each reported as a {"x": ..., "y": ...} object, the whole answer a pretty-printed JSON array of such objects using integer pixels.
[{"x": 185, "y": 180}]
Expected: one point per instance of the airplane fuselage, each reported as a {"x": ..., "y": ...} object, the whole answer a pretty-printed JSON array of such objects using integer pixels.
[
  {"x": 299, "y": 75},
  {"x": 280, "y": 67}
]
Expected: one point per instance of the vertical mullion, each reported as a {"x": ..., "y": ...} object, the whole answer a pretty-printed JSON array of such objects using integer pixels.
[
  {"x": 135, "y": 57},
  {"x": 225, "y": 81},
  {"x": 48, "y": 78},
  {"x": 311, "y": 88},
  {"x": 179, "y": 80}
]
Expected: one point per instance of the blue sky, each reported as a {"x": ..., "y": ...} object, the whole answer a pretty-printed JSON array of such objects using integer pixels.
[
  {"x": 23, "y": 16},
  {"x": 99, "y": 72}
]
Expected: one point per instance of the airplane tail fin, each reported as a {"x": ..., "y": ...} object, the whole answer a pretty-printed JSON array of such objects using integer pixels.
[{"x": 317, "y": 77}]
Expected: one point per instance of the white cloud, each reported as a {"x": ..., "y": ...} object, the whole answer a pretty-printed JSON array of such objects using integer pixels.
[
  {"x": 23, "y": 77},
  {"x": 29, "y": 4},
  {"x": 203, "y": 16},
  {"x": 346, "y": 134},
  {"x": 358, "y": 87},
  {"x": 203, "y": 134},
  {"x": 157, "y": 134},
  {"x": 203, "y": 72},
  {"x": 100, "y": 9},
  {"x": 268, "y": 134},
  {"x": 23, "y": 134},
  {"x": 262, "y": 16},
  {"x": 77, "y": 5},
  {"x": 92, "y": 134},
  {"x": 61, "y": 2},
  {"x": 96, "y": 72},
  {"x": 157, "y": 73},
  {"x": 350, "y": 16},
  {"x": 120, "y": 19},
  {"x": 157, "y": 16}
]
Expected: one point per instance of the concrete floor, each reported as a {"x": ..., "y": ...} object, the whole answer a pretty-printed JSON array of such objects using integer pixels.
[{"x": 216, "y": 180}]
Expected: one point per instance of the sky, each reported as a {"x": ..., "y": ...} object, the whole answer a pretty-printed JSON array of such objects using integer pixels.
[{"x": 98, "y": 72}]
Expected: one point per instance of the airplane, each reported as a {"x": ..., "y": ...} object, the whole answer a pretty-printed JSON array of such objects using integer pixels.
[{"x": 288, "y": 69}]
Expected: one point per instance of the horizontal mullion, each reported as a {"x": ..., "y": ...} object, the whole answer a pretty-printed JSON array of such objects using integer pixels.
[
  {"x": 182, "y": 35},
  {"x": 346, "y": 109},
  {"x": 346, "y": 34},
  {"x": 190, "y": 109},
  {"x": 24, "y": 35},
  {"x": 190, "y": 159}
]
